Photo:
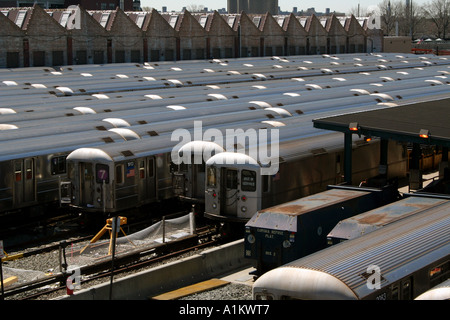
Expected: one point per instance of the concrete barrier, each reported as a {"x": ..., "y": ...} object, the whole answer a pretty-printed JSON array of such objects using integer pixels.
[{"x": 205, "y": 265}]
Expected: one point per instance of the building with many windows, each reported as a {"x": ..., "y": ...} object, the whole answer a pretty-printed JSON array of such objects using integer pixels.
[
  {"x": 253, "y": 6},
  {"x": 33, "y": 36}
]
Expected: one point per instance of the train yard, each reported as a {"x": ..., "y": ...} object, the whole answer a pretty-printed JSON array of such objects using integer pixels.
[{"x": 101, "y": 141}]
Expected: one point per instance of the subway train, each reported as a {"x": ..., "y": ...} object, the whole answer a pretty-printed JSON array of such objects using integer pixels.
[
  {"x": 397, "y": 262},
  {"x": 237, "y": 185},
  {"x": 69, "y": 109},
  {"x": 120, "y": 176}
]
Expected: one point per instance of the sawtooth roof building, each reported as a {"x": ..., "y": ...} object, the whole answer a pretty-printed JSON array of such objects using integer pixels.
[{"x": 33, "y": 36}]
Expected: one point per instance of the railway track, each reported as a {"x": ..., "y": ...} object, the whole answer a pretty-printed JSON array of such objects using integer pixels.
[{"x": 124, "y": 263}]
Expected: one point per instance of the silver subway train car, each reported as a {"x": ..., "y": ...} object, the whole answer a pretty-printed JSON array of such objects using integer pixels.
[
  {"x": 397, "y": 262},
  {"x": 237, "y": 185}
]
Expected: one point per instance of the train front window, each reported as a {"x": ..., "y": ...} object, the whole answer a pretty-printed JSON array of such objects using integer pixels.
[
  {"x": 211, "y": 177},
  {"x": 58, "y": 165},
  {"x": 231, "y": 179},
  {"x": 248, "y": 180}
]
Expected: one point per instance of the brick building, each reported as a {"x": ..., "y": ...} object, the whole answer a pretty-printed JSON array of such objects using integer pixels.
[
  {"x": 127, "y": 5},
  {"x": 37, "y": 37}
]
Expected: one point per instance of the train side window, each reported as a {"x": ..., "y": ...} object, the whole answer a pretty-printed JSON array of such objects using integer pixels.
[
  {"x": 142, "y": 169},
  {"x": 151, "y": 168},
  {"x": 18, "y": 171},
  {"x": 231, "y": 179},
  {"x": 406, "y": 290},
  {"x": 248, "y": 180},
  {"x": 439, "y": 273},
  {"x": 119, "y": 174},
  {"x": 395, "y": 295},
  {"x": 58, "y": 165},
  {"x": 211, "y": 177},
  {"x": 29, "y": 169}
]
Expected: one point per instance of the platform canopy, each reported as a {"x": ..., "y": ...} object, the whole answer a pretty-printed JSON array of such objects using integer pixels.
[{"x": 423, "y": 122}]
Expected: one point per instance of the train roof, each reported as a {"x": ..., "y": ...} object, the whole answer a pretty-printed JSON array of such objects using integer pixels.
[
  {"x": 68, "y": 99},
  {"x": 371, "y": 220},
  {"x": 284, "y": 216},
  {"x": 343, "y": 270}
]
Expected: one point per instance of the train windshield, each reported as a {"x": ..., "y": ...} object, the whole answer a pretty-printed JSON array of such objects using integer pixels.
[
  {"x": 211, "y": 177},
  {"x": 248, "y": 179}
]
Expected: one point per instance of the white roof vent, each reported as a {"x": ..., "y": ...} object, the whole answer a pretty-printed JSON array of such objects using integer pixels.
[
  {"x": 8, "y": 127},
  {"x": 9, "y": 83},
  {"x": 38, "y": 86},
  {"x": 153, "y": 96},
  {"x": 117, "y": 122},
  {"x": 274, "y": 123},
  {"x": 7, "y": 111},
  {"x": 100, "y": 96},
  {"x": 282, "y": 112},
  {"x": 261, "y": 104},
  {"x": 218, "y": 96},
  {"x": 66, "y": 90},
  {"x": 176, "y": 107},
  {"x": 126, "y": 134},
  {"x": 85, "y": 110}
]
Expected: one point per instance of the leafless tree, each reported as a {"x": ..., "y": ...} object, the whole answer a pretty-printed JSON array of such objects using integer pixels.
[
  {"x": 438, "y": 11},
  {"x": 388, "y": 13},
  {"x": 196, "y": 8},
  {"x": 400, "y": 18}
]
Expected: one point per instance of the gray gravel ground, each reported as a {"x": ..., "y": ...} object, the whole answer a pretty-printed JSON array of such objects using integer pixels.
[
  {"x": 232, "y": 291},
  {"x": 47, "y": 261}
]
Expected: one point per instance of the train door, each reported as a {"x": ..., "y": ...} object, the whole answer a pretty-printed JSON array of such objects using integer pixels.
[
  {"x": 86, "y": 183},
  {"x": 147, "y": 181},
  {"x": 151, "y": 178},
  {"x": 142, "y": 180},
  {"x": 25, "y": 182},
  {"x": 198, "y": 181},
  {"x": 230, "y": 191}
]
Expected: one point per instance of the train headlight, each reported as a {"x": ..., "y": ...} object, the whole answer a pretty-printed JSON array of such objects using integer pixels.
[
  {"x": 99, "y": 200},
  {"x": 244, "y": 209},
  {"x": 244, "y": 198},
  {"x": 251, "y": 239},
  {"x": 286, "y": 244},
  {"x": 214, "y": 205}
]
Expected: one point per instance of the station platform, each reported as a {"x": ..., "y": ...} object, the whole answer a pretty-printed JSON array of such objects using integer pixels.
[{"x": 240, "y": 277}]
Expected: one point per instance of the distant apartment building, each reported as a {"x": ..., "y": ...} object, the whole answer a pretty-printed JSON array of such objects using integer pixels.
[{"x": 253, "y": 6}]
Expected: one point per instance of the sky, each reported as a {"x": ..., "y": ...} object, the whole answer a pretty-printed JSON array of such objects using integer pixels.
[{"x": 285, "y": 5}]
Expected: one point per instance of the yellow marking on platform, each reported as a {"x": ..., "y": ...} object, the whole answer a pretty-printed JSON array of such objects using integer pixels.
[
  {"x": 195, "y": 288},
  {"x": 9, "y": 281}
]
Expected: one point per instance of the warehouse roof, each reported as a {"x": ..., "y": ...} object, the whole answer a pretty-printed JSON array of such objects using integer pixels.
[{"x": 423, "y": 122}]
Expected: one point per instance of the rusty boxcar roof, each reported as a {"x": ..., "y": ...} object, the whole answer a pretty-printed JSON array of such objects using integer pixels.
[
  {"x": 371, "y": 220},
  {"x": 284, "y": 216}
]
